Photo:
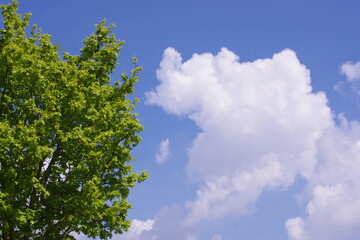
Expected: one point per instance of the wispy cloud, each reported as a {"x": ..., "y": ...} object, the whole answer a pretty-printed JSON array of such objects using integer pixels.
[{"x": 163, "y": 154}]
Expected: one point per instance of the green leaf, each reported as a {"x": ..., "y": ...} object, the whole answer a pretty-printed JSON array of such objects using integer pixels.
[{"x": 66, "y": 134}]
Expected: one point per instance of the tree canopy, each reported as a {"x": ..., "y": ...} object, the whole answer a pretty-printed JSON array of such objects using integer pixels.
[{"x": 66, "y": 134}]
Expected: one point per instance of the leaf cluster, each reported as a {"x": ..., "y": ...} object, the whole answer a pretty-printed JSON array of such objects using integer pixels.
[{"x": 66, "y": 135}]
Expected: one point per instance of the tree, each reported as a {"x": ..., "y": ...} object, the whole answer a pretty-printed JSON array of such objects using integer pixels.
[{"x": 66, "y": 135}]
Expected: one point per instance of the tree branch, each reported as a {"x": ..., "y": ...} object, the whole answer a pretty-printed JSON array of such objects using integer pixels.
[
  {"x": 54, "y": 159},
  {"x": 4, "y": 90}
]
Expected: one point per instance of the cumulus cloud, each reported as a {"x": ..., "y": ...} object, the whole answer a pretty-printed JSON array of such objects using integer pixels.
[
  {"x": 259, "y": 123},
  {"x": 351, "y": 70},
  {"x": 334, "y": 188},
  {"x": 262, "y": 126},
  {"x": 163, "y": 153}
]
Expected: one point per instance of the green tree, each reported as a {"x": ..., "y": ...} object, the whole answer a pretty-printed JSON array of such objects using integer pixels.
[{"x": 66, "y": 135}]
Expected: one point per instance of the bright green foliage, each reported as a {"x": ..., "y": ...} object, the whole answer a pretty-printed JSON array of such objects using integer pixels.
[{"x": 65, "y": 135}]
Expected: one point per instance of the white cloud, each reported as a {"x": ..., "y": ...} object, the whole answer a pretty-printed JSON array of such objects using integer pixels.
[
  {"x": 261, "y": 127},
  {"x": 351, "y": 70},
  {"x": 163, "y": 153},
  {"x": 136, "y": 229},
  {"x": 334, "y": 187},
  {"x": 295, "y": 227},
  {"x": 259, "y": 120},
  {"x": 137, "y": 226},
  {"x": 234, "y": 193},
  {"x": 351, "y": 85}
]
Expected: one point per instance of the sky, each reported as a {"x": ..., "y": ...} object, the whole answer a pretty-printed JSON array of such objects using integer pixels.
[{"x": 250, "y": 108}]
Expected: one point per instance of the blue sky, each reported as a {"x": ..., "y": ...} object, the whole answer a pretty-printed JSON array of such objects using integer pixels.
[{"x": 250, "y": 111}]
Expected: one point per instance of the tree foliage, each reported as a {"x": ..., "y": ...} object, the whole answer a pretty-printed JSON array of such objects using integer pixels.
[{"x": 66, "y": 135}]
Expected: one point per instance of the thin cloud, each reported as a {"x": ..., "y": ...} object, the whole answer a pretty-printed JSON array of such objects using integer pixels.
[{"x": 163, "y": 153}]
